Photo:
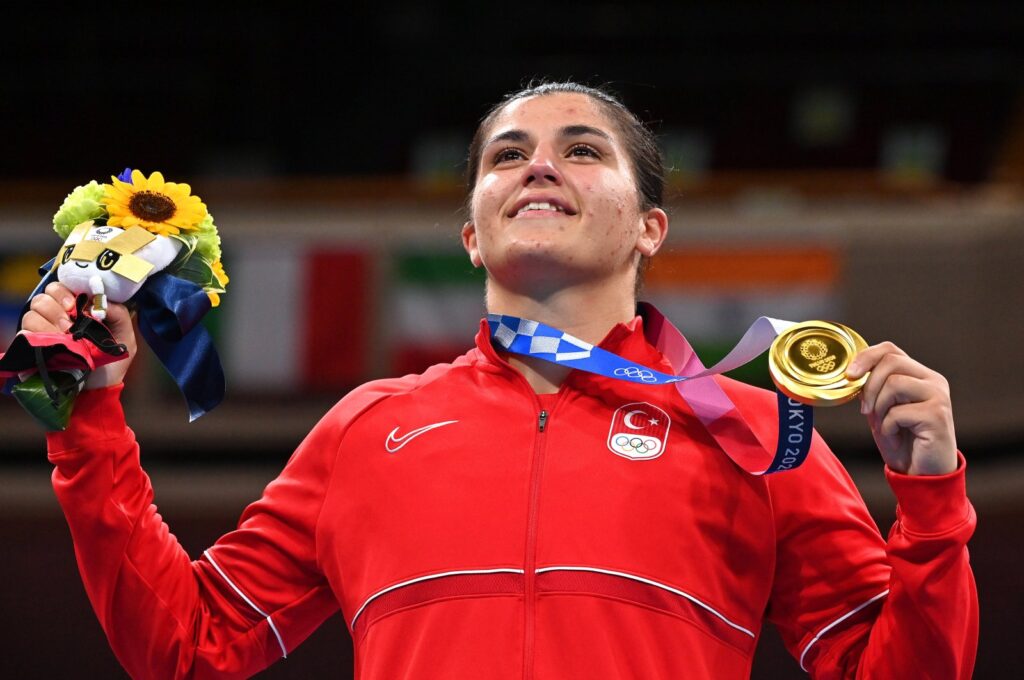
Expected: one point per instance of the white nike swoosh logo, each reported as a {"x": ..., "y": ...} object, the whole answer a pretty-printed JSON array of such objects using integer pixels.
[{"x": 399, "y": 442}]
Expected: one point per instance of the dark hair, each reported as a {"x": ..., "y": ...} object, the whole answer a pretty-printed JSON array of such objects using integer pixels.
[{"x": 641, "y": 147}]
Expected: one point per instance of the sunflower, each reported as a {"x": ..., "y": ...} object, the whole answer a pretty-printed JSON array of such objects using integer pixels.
[
  {"x": 218, "y": 271},
  {"x": 164, "y": 208},
  {"x": 221, "y": 278}
]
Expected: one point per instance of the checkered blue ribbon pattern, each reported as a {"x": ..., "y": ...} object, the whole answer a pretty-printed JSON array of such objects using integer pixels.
[
  {"x": 707, "y": 398},
  {"x": 532, "y": 338}
]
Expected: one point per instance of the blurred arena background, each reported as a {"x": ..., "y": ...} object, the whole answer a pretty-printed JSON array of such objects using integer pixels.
[{"x": 860, "y": 163}]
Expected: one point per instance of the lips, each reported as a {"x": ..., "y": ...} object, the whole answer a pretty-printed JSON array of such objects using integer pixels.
[{"x": 545, "y": 204}]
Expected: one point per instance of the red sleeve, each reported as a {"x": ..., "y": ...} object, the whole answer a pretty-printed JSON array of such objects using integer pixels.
[
  {"x": 253, "y": 596},
  {"x": 849, "y": 605}
]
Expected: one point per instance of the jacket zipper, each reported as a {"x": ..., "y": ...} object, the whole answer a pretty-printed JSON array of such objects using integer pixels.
[{"x": 530, "y": 565}]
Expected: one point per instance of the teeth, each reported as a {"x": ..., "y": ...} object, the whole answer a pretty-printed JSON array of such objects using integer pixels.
[{"x": 544, "y": 205}]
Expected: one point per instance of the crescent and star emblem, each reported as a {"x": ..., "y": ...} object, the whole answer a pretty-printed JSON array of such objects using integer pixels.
[
  {"x": 629, "y": 422},
  {"x": 639, "y": 431}
]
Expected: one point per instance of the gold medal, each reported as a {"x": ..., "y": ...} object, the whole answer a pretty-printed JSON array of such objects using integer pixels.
[{"x": 808, "y": 363}]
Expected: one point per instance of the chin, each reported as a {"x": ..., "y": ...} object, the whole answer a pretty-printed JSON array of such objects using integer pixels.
[{"x": 535, "y": 263}]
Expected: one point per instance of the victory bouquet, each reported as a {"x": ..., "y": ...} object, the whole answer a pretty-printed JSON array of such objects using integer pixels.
[{"x": 144, "y": 242}]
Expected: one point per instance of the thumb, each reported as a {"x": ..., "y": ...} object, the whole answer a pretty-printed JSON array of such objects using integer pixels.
[{"x": 119, "y": 322}]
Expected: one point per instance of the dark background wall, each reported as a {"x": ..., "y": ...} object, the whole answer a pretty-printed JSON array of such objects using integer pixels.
[{"x": 349, "y": 90}]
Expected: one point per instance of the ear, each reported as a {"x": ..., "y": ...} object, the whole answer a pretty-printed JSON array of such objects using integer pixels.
[
  {"x": 653, "y": 230},
  {"x": 469, "y": 243}
]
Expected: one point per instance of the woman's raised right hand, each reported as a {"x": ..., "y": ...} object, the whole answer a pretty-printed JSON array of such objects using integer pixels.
[{"x": 49, "y": 312}]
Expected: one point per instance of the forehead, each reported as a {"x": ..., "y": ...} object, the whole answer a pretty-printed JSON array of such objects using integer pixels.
[{"x": 552, "y": 112}]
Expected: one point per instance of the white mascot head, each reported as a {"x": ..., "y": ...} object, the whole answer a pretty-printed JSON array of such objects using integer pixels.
[{"x": 112, "y": 263}]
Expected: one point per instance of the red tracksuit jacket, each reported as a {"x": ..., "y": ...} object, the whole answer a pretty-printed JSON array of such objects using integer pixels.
[{"x": 468, "y": 528}]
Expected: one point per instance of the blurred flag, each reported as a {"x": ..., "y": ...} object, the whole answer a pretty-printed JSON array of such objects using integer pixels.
[
  {"x": 438, "y": 304},
  {"x": 296, "y": 318},
  {"x": 714, "y": 294}
]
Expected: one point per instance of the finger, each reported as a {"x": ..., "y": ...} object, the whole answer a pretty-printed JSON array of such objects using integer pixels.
[
  {"x": 58, "y": 291},
  {"x": 925, "y": 420},
  {"x": 924, "y": 430},
  {"x": 118, "y": 317},
  {"x": 902, "y": 389},
  {"x": 48, "y": 308},
  {"x": 903, "y": 417},
  {"x": 118, "y": 312},
  {"x": 889, "y": 364},
  {"x": 866, "y": 359},
  {"x": 37, "y": 323}
]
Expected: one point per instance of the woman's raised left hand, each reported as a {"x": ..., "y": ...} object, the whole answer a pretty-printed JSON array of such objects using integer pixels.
[{"x": 909, "y": 410}]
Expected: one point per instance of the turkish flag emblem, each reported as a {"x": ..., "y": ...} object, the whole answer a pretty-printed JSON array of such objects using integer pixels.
[{"x": 639, "y": 431}]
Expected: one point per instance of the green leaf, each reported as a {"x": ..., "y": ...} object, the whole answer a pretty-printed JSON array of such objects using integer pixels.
[
  {"x": 32, "y": 396},
  {"x": 199, "y": 272},
  {"x": 188, "y": 248}
]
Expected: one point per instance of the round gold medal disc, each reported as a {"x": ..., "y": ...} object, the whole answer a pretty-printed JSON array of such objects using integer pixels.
[{"x": 808, "y": 362}]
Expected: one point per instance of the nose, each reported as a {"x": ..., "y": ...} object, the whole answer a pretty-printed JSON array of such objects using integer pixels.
[{"x": 541, "y": 172}]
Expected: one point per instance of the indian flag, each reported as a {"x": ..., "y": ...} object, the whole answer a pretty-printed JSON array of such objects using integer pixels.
[{"x": 713, "y": 294}]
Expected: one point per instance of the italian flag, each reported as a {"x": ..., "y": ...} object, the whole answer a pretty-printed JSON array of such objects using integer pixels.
[{"x": 295, "y": 318}]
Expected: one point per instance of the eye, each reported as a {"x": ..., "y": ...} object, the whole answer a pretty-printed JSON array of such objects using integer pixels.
[
  {"x": 508, "y": 154},
  {"x": 584, "y": 150},
  {"x": 66, "y": 255},
  {"x": 107, "y": 259}
]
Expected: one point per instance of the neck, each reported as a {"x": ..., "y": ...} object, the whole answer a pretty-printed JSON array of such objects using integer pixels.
[{"x": 587, "y": 310}]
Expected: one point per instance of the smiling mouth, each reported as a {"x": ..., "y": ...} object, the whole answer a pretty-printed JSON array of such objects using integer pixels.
[{"x": 540, "y": 208}]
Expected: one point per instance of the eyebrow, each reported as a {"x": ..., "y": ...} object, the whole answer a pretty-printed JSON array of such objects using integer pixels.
[
  {"x": 581, "y": 130},
  {"x": 516, "y": 135}
]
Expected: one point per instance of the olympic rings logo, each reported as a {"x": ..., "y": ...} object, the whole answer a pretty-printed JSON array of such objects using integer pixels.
[
  {"x": 640, "y": 446},
  {"x": 636, "y": 374}
]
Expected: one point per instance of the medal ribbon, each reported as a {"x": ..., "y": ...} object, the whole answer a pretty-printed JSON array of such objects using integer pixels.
[{"x": 709, "y": 402}]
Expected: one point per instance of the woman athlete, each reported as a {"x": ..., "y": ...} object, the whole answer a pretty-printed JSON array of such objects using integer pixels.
[{"x": 493, "y": 532}]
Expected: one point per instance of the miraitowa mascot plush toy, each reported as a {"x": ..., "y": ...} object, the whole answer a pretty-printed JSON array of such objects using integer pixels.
[{"x": 141, "y": 241}]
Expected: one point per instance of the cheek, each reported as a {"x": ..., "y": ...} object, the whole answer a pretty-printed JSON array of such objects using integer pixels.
[
  {"x": 613, "y": 209},
  {"x": 485, "y": 195},
  {"x": 485, "y": 206}
]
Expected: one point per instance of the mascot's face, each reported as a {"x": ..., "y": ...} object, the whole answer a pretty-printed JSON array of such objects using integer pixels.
[{"x": 122, "y": 260}]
